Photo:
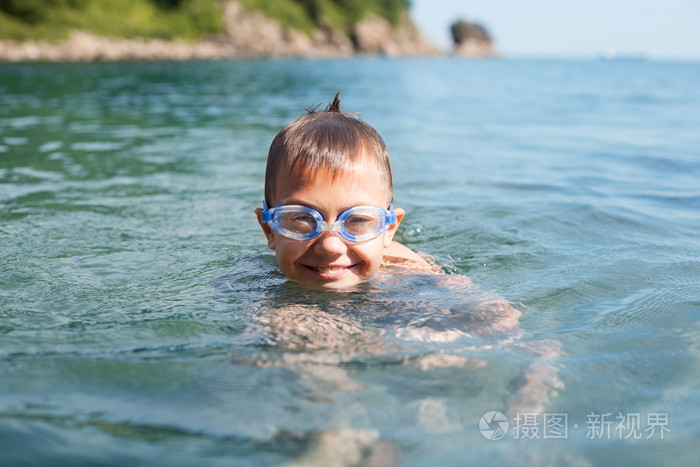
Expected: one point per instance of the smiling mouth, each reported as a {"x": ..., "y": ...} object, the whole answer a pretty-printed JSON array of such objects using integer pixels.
[{"x": 329, "y": 272}]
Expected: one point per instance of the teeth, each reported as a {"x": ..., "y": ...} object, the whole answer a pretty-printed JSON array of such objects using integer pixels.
[{"x": 328, "y": 270}]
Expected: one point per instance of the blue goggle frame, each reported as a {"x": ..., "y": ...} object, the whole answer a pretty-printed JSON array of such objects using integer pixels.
[{"x": 272, "y": 216}]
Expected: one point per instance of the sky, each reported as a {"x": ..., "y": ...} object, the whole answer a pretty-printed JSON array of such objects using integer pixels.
[{"x": 666, "y": 29}]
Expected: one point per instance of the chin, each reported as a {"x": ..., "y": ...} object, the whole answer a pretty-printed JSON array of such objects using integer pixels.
[{"x": 344, "y": 283}]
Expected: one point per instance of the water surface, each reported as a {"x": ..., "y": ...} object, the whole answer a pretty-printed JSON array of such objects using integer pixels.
[{"x": 143, "y": 321}]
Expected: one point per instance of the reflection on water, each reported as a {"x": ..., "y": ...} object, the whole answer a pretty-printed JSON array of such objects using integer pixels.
[{"x": 143, "y": 321}]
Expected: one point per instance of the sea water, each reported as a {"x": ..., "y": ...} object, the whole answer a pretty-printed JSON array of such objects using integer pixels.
[{"x": 143, "y": 321}]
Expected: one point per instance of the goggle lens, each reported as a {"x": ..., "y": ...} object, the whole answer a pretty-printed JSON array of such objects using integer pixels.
[
  {"x": 301, "y": 223},
  {"x": 362, "y": 224}
]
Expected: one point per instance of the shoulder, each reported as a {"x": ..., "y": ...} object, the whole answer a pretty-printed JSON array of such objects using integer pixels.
[{"x": 398, "y": 254}]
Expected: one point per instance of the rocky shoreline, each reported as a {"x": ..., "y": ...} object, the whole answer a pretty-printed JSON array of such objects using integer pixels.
[{"x": 249, "y": 34}]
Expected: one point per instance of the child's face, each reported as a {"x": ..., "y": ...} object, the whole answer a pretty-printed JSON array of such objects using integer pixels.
[{"x": 328, "y": 260}]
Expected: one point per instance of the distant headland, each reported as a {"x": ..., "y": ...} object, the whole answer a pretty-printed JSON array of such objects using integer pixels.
[{"x": 99, "y": 30}]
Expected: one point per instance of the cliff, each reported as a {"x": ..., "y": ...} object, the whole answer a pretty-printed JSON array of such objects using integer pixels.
[{"x": 244, "y": 32}]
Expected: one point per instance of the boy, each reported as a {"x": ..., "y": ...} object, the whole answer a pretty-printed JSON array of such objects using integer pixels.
[
  {"x": 328, "y": 215},
  {"x": 328, "y": 212}
]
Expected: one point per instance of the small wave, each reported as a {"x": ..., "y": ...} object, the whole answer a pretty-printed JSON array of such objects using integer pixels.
[
  {"x": 15, "y": 141},
  {"x": 50, "y": 146},
  {"x": 21, "y": 123},
  {"x": 97, "y": 146}
]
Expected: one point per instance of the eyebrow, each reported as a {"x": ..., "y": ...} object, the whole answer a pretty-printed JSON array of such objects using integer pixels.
[
  {"x": 315, "y": 208},
  {"x": 312, "y": 206}
]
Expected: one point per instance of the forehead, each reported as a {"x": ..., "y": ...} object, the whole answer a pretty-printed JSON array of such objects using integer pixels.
[{"x": 359, "y": 184}]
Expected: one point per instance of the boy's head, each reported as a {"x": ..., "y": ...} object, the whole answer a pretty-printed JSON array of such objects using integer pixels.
[
  {"x": 328, "y": 162},
  {"x": 325, "y": 144}
]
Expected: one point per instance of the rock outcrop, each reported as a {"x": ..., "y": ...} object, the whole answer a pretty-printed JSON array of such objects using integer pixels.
[
  {"x": 471, "y": 40},
  {"x": 248, "y": 34},
  {"x": 376, "y": 35}
]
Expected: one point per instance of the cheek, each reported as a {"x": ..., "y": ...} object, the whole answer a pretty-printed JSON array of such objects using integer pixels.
[
  {"x": 371, "y": 254},
  {"x": 287, "y": 251}
]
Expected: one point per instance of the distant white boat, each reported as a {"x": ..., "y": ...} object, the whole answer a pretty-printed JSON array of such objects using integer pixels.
[{"x": 609, "y": 53}]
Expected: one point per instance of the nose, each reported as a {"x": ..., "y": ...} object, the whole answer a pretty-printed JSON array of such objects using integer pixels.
[{"x": 330, "y": 243}]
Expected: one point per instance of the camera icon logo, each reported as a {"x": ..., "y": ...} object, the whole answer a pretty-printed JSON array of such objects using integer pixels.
[{"x": 493, "y": 425}]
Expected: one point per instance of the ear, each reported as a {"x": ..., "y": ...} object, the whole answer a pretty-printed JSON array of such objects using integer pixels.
[
  {"x": 389, "y": 234},
  {"x": 266, "y": 230}
]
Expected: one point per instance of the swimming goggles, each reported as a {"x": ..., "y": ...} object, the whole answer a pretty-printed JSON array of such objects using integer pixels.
[{"x": 304, "y": 223}]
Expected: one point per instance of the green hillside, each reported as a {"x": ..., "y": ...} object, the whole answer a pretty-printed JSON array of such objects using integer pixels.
[{"x": 169, "y": 19}]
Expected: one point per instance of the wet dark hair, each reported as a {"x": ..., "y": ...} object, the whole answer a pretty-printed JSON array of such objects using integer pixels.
[{"x": 331, "y": 141}]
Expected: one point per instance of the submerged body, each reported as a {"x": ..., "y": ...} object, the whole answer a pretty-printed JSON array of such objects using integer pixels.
[{"x": 421, "y": 325}]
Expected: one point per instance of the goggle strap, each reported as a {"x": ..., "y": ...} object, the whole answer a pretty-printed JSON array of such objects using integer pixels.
[
  {"x": 266, "y": 214},
  {"x": 391, "y": 218}
]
